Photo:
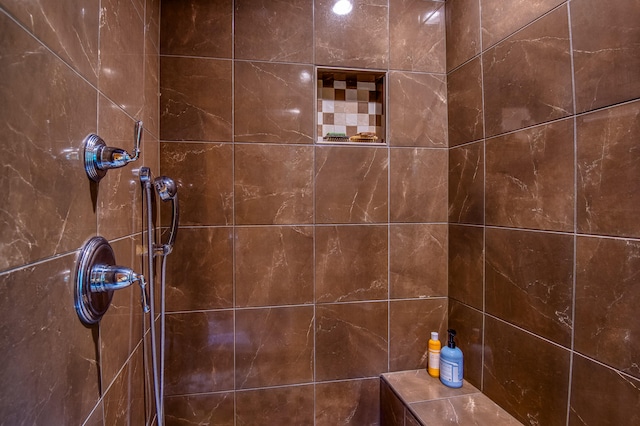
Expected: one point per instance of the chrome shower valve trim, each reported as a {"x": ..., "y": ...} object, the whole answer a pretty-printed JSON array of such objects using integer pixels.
[{"x": 98, "y": 157}]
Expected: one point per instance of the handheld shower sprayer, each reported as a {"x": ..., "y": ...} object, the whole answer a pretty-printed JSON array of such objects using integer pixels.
[{"x": 168, "y": 191}]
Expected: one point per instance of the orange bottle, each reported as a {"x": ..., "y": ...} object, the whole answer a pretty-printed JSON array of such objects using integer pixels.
[{"x": 433, "y": 366}]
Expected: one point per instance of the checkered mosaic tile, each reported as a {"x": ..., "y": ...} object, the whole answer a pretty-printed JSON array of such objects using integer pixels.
[{"x": 349, "y": 107}]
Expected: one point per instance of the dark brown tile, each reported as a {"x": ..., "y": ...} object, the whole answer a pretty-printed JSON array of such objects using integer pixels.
[
  {"x": 151, "y": 108},
  {"x": 273, "y": 102},
  {"x": 609, "y": 171},
  {"x": 418, "y": 185},
  {"x": 417, "y": 35},
  {"x": 203, "y": 173},
  {"x": 464, "y": 103},
  {"x": 527, "y": 77},
  {"x": 69, "y": 28},
  {"x": 466, "y": 264},
  {"x": 195, "y": 102},
  {"x": 357, "y": 39},
  {"x": 525, "y": 375},
  {"x": 354, "y": 402},
  {"x": 463, "y": 31},
  {"x": 207, "y": 338},
  {"x": 43, "y": 125},
  {"x": 410, "y": 325},
  {"x": 196, "y": 28},
  {"x": 121, "y": 72},
  {"x": 529, "y": 281},
  {"x": 464, "y": 410},
  {"x": 607, "y": 297},
  {"x": 124, "y": 401},
  {"x": 200, "y": 270},
  {"x": 274, "y": 346},
  {"x": 606, "y": 67},
  {"x": 499, "y": 18},
  {"x": 467, "y": 184},
  {"x": 49, "y": 358},
  {"x": 468, "y": 324},
  {"x": 410, "y": 419},
  {"x": 530, "y": 178},
  {"x": 418, "y": 260},
  {"x": 391, "y": 408},
  {"x": 213, "y": 409},
  {"x": 277, "y": 406},
  {"x": 617, "y": 395},
  {"x": 273, "y": 184},
  {"x": 412, "y": 97},
  {"x": 274, "y": 266},
  {"x": 351, "y": 340},
  {"x": 351, "y": 185},
  {"x": 351, "y": 263},
  {"x": 274, "y": 30}
]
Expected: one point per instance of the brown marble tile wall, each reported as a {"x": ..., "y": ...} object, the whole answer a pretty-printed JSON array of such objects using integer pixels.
[
  {"x": 543, "y": 171},
  {"x": 69, "y": 70}
]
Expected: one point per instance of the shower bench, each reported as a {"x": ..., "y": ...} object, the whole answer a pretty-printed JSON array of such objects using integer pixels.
[{"x": 413, "y": 398}]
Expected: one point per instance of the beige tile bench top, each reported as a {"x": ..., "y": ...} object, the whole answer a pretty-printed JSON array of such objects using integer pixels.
[{"x": 429, "y": 402}]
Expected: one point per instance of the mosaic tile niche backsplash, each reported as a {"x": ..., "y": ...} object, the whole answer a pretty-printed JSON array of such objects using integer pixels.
[{"x": 351, "y": 107}]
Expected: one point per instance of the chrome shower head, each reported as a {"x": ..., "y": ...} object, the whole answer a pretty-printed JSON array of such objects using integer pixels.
[{"x": 166, "y": 188}]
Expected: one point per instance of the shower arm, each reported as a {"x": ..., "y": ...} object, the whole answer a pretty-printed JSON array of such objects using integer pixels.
[{"x": 98, "y": 157}]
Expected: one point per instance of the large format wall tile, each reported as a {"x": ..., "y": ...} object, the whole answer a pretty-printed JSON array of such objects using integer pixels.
[
  {"x": 527, "y": 77},
  {"x": 277, "y": 406},
  {"x": 607, "y": 297},
  {"x": 274, "y": 30},
  {"x": 273, "y": 102},
  {"x": 466, "y": 264},
  {"x": 357, "y": 39},
  {"x": 202, "y": 276},
  {"x": 417, "y": 35},
  {"x": 124, "y": 401},
  {"x": 617, "y": 395},
  {"x": 418, "y": 260},
  {"x": 501, "y": 18},
  {"x": 348, "y": 402},
  {"x": 606, "y": 66},
  {"x": 274, "y": 266},
  {"x": 609, "y": 171},
  {"x": 529, "y": 182},
  {"x": 463, "y": 31},
  {"x": 70, "y": 28},
  {"x": 196, "y": 99},
  {"x": 464, "y": 103},
  {"x": 273, "y": 184},
  {"x": 212, "y": 408},
  {"x": 49, "y": 374},
  {"x": 467, "y": 184},
  {"x": 527, "y": 376},
  {"x": 351, "y": 184},
  {"x": 274, "y": 346},
  {"x": 410, "y": 324},
  {"x": 121, "y": 72},
  {"x": 196, "y": 28},
  {"x": 417, "y": 110},
  {"x": 351, "y": 263},
  {"x": 418, "y": 185},
  {"x": 45, "y": 113},
  {"x": 207, "y": 338},
  {"x": 468, "y": 324},
  {"x": 529, "y": 281},
  {"x": 203, "y": 173},
  {"x": 342, "y": 331}
]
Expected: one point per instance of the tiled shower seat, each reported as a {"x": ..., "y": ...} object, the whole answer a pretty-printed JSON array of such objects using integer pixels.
[{"x": 413, "y": 398}]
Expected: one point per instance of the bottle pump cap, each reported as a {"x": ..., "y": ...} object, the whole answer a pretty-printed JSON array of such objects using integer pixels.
[
  {"x": 452, "y": 334},
  {"x": 434, "y": 335}
]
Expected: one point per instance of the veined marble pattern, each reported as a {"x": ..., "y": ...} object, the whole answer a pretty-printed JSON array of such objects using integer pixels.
[
  {"x": 349, "y": 401},
  {"x": 467, "y": 184},
  {"x": 463, "y": 31},
  {"x": 212, "y": 408},
  {"x": 464, "y": 103},
  {"x": 466, "y": 264}
]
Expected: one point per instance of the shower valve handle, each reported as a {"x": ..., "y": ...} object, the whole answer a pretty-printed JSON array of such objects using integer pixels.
[{"x": 98, "y": 157}]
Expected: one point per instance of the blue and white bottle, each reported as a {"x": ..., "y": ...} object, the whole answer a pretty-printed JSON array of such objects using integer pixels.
[{"x": 451, "y": 363}]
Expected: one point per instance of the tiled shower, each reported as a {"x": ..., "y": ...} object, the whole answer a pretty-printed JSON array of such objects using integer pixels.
[{"x": 503, "y": 204}]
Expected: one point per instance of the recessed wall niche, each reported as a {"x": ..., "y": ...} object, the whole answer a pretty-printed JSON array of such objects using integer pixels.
[{"x": 351, "y": 106}]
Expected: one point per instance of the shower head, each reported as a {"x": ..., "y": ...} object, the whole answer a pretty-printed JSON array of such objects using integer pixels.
[{"x": 166, "y": 188}]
